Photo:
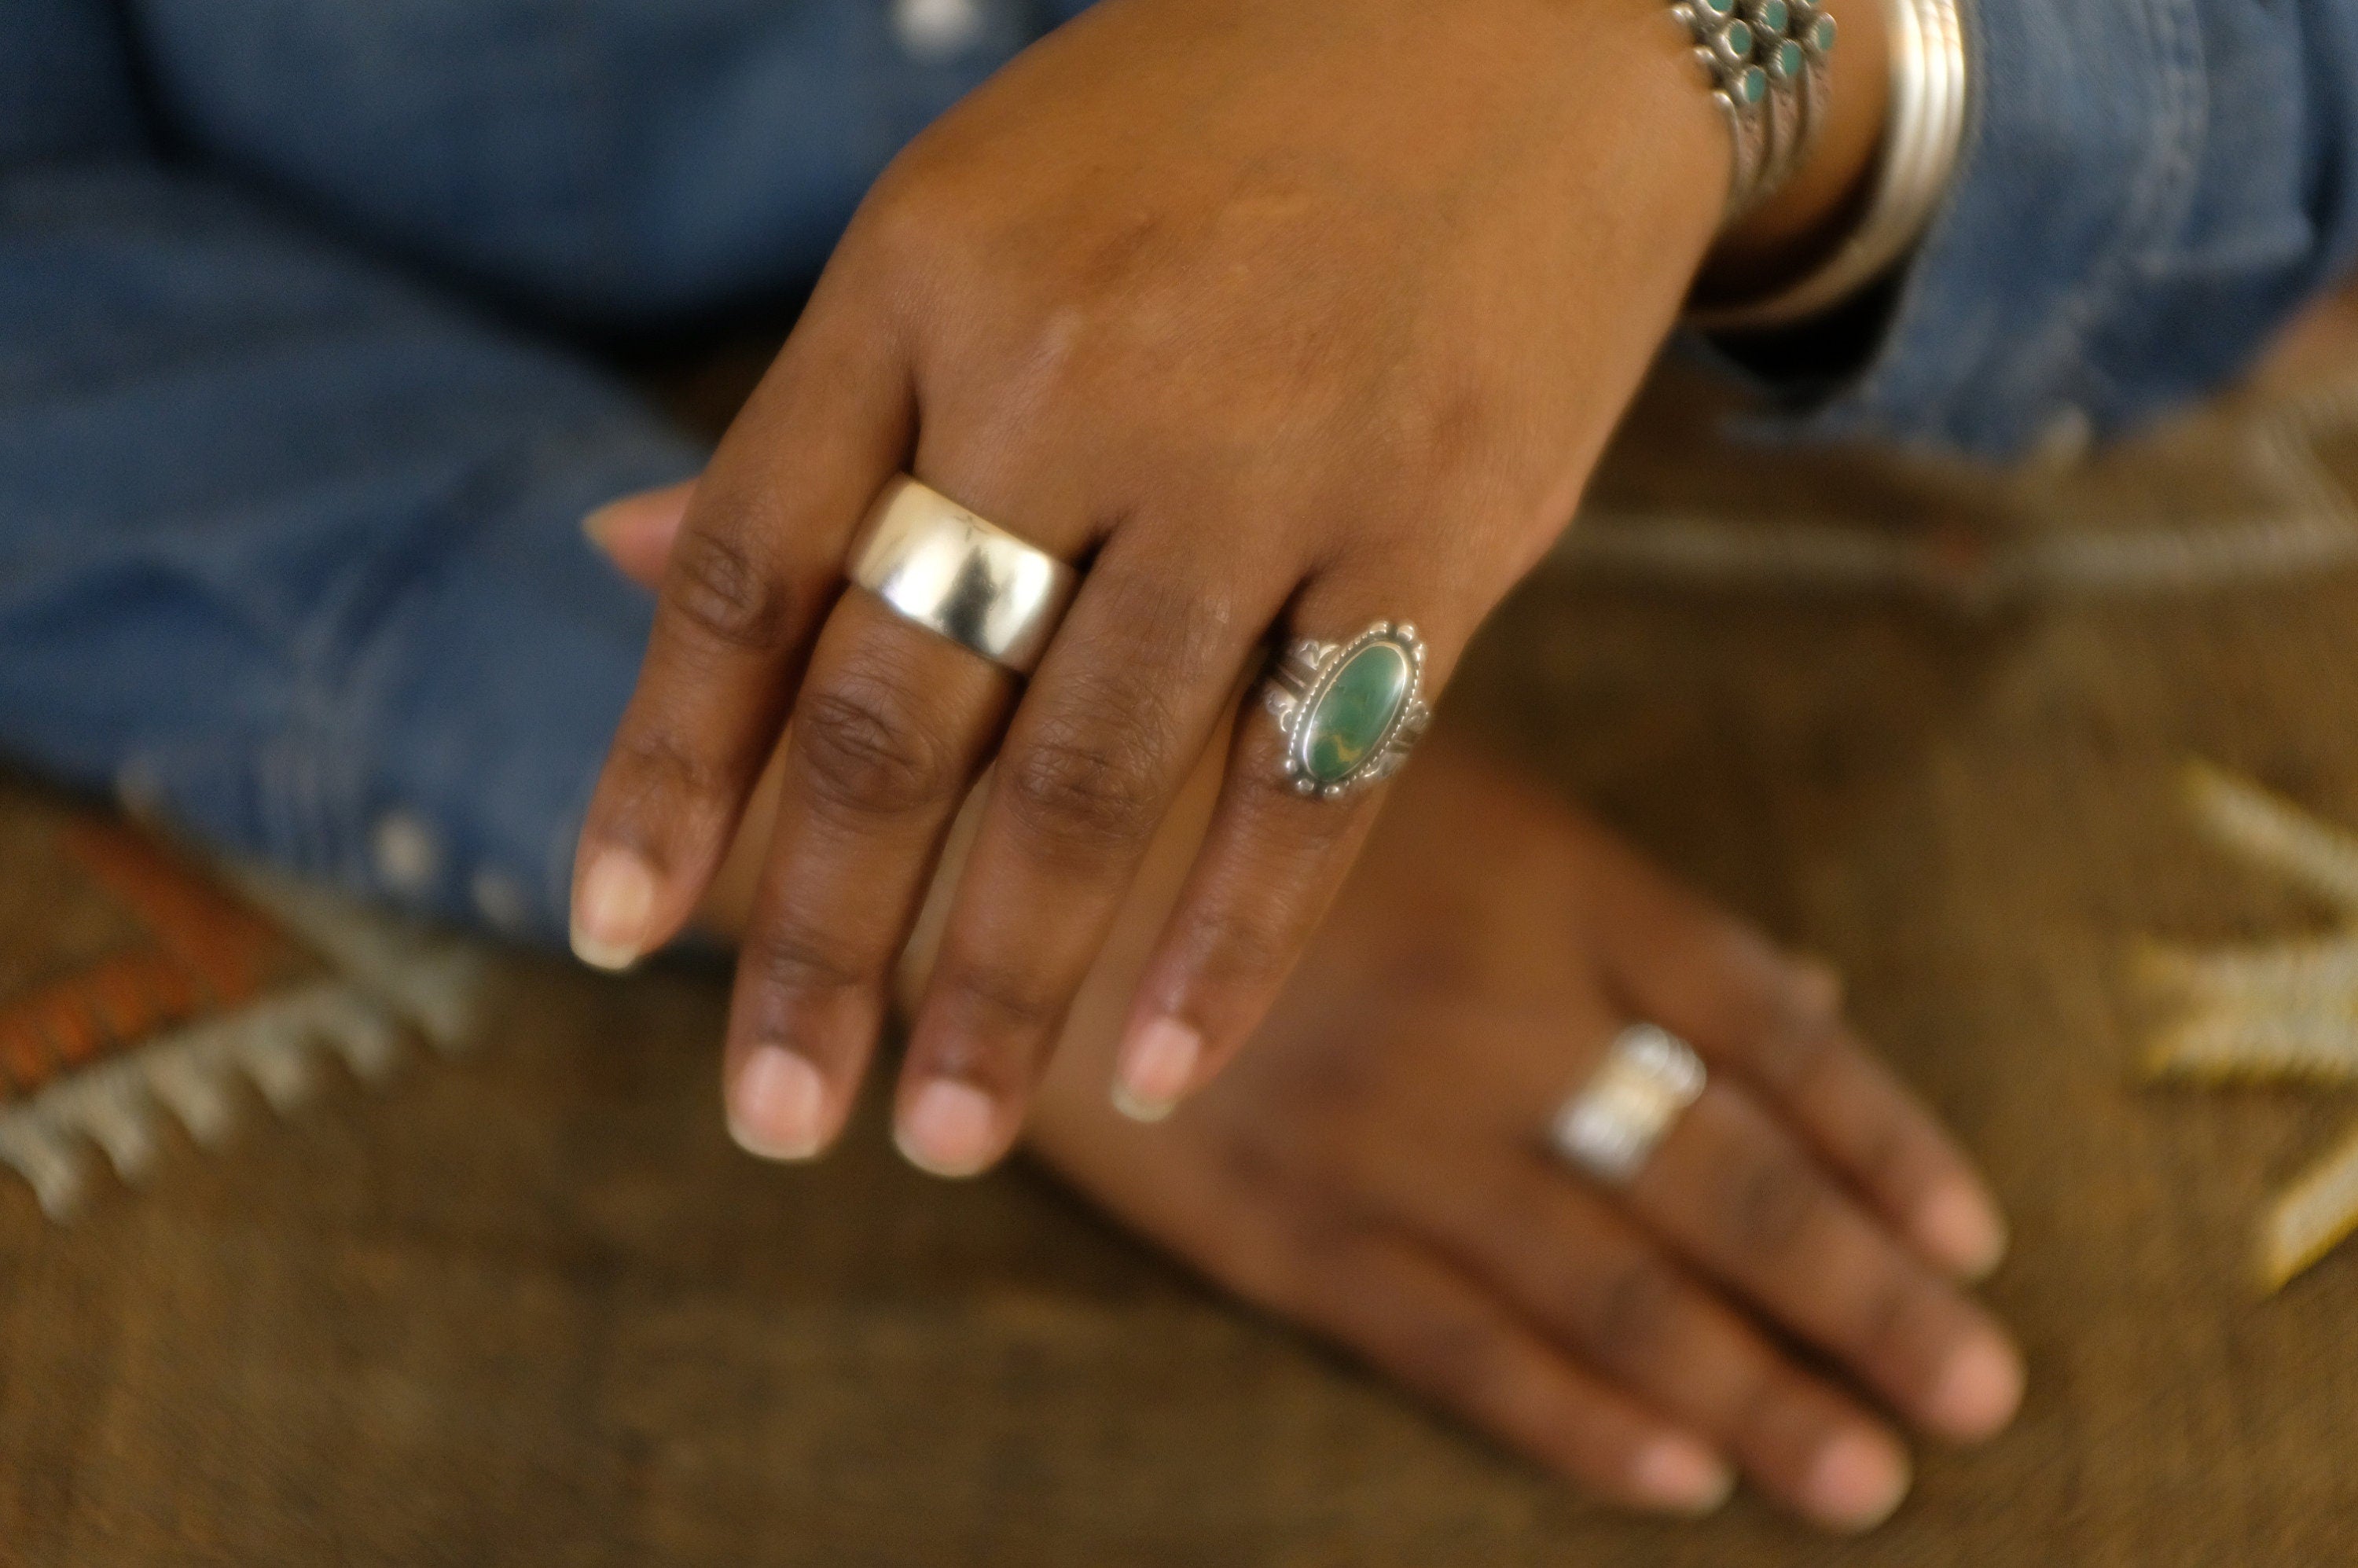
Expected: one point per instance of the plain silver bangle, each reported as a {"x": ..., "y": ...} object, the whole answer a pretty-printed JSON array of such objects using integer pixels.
[{"x": 1922, "y": 139}]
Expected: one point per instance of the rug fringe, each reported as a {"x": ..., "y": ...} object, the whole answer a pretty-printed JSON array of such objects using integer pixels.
[{"x": 394, "y": 979}]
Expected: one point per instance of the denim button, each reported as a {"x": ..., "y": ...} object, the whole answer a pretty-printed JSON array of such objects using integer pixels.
[
  {"x": 407, "y": 855},
  {"x": 936, "y": 30}
]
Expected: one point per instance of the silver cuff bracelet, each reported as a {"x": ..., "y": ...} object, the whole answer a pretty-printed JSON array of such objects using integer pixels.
[{"x": 1922, "y": 139}]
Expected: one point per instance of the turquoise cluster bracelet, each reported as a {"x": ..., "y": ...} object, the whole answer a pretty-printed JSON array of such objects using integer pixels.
[{"x": 1765, "y": 60}]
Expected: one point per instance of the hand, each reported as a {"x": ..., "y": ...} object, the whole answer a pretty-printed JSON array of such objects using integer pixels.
[
  {"x": 1275, "y": 316},
  {"x": 1373, "y": 1169}
]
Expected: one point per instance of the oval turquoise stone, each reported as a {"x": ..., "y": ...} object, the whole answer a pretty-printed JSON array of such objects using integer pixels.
[
  {"x": 1822, "y": 34},
  {"x": 1738, "y": 40},
  {"x": 1354, "y": 711},
  {"x": 1772, "y": 14},
  {"x": 1789, "y": 58}
]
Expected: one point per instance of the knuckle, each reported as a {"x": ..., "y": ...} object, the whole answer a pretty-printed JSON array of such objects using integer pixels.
[
  {"x": 786, "y": 956},
  {"x": 1633, "y": 1305},
  {"x": 863, "y": 749},
  {"x": 1179, "y": 628},
  {"x": 728, "y": 592},
  {"x": 1242, "y": 947},
  {"x": 1889, "y": 1324},
  {"x": 1445, "y": 421},
  {"x": 1082, "y": 797},
  {"x": 658, "y": 770},
  {"x": 996, "y": 1001},
  {"x": 916, "y": 220},
  {"x": 1767, "y": 1203},
  {"x": 1890, "y": 1160},
  {"x": 1090, "y": 776},
  {"x": 1053, "y": 358}
]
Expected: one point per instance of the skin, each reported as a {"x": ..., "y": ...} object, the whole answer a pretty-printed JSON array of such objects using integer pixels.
[
  {"x": 1370, "y": 1169},
  {"x": 1274, "y": 316}
]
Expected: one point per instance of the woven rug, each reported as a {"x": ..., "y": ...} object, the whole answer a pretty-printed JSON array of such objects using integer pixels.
[
  {"x": 138, "y": 984},
  {"x": 529, "y": 1307}
]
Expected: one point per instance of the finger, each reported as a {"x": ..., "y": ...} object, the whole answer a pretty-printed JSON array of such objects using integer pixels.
[
  {"x": 1586, "y": 1274},
  {"x": 637, "y": 532},
  {"x": 890, "y": 726},
  {"x": 758, "y": 561},
  {"x": 1420, "y": 1320},
  {"x": 1747, "y": 1204},
  {"x": 1271, "y": 864},
  {"x": 1701, "y": 974},
  {"x": 1107, "y": 732}
]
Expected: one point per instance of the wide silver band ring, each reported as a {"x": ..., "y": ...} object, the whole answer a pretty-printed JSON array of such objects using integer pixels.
[
  {"x": 1610, "y": 1127},
  {"x": 1349, "y": 712},
  {"x": 938, "y": 564}
]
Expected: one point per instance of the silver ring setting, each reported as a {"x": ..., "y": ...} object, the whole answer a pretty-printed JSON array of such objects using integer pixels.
[
  {"x": 1349, "y": 712},
  {"x": 1610, "y": 1127},
  {"x": 938, "y": 564}
]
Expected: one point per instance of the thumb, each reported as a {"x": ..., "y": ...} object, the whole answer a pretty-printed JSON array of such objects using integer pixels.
[{"x": 637, "y": 531}]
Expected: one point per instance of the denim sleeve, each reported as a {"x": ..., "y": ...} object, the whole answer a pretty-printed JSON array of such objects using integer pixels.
[
  {"x": 2148, "y": 190},
  {"x": 289, "y": 548}
]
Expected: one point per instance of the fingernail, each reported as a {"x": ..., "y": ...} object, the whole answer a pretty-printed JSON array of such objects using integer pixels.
[
  {"x": 1682, "y": 1477},
  {"x": 949, "y": 1130},
  {"x": 611, "y": 912},
  {"x": 1856, "y": 1482},
  {"x": 1958, "y": 1226},
  {"x": 777, "y": 1106},
  {"x": 1157, "y": 1062},
  {"x": 1978, "y": 1390}
]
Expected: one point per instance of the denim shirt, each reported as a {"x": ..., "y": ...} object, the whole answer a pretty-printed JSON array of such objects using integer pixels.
[{"x": 296, "y": 433}]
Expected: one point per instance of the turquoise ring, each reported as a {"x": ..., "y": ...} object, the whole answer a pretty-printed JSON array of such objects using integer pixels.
[{"x": 1349, "y": 712}]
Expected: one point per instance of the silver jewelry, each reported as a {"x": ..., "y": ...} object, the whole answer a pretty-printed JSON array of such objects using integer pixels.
[
  {"x": 1724, "y": 47},
  {"x": 1797, "y": 38},
  {"x": 1766, "y": 62},
  {"x": 1610, "y": 1127},
  {"x": 1922, "y": 138},
  {"x": 1350, "y": 711},
  {"x": 941, "y": 566}
]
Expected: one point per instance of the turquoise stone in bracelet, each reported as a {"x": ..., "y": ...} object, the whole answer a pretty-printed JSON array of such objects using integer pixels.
[
  {"x": 1734, "y": 44},
  {"x": 1797, "y": 83},
  {"x": 1724, "y": 44},
  {"x": 1765, "y": 60}
]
